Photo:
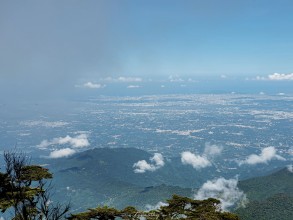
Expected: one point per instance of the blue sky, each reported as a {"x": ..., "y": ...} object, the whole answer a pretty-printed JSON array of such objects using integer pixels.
[{"x": 54, "y": 42}]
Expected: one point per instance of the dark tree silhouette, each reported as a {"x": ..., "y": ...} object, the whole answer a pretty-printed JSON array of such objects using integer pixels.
[
  {"x": 24, "y": 189},
  {"x": 178, "y": 208}
]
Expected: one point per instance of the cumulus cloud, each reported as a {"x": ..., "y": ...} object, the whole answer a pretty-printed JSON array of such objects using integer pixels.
[
  {"x": 133, "y": 86},
  {"x": 157, "y": 161},
  {"x": 212, "y": 150},
  {"x": 48, "y": 124},
  {"x": 78, "y": 141},
  {"x": 91, "y": 85},
  {"x": 225, "y": 190},
  {"x": 276, "y": 77},
  {"x": 267, "y": 154},
  {"x": 62, "y": 153},
  {"x": 196, "y": 161}
]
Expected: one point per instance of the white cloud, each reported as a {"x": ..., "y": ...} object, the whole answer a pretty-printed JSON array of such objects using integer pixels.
[
  {"x": 175, "y": 78},
  {"x": 62, "y": 153},
  {"x": 133, "y": 86},
  {"x": 223, "y": 76},
  {"x": 48, "y": 124},
  {"x": 276, "y": 77},
  {"x": 158, "y": 160},
  {"x": 212, "y": 150},
  {"x": 78, "y": 141},
  {"x": 142, "y": 166},
  {"x": 195, "y": 161},
  {"x": 123, "y": 79},
  {"x": 266, "y": 155},
  {"x": 281, "y": 76},
  {"x": 290, "y": 168},
  {"x": 160, "y": 204},
  {"x": 222, "y": 189},
  {"x": 91, "y": 85}
]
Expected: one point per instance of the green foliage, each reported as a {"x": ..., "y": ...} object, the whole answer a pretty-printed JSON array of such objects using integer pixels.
[
  {"x": 276, "y": 207},
  {"x": 178, "y": 208},
  {"x": 260, "y": 188},
  {"x": 35, "y": 173},
  {"x": 270, "y": 197},
  {"x": 23, "y": 190}
]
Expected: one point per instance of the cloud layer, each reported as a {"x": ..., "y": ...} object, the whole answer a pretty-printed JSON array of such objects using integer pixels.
[
  {"x": 157, "y": 161},
  {"x": 267, "y": 154},
  {"x": 225, "y": 190},
  {"x": 78, "y": 141}
]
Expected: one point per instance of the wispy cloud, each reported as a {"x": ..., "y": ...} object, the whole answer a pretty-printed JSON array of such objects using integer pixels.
[
  {"x": 212, "y": 150},
  {"x": 196, "y": 161},
  {"x": 133, "y": 87},
  {"x": 62, "y": 153},
  {"x": 225, "y": 190},
  {"x": 123, "y": 79},
  {"x": 48, "y": 124},
  {"x": 267, "y": 154},
  {"x": 157, "y": 161},
  {"x": 160, "y": 204},
  {"x": 175, "y": 78},
  {"x": 91, "y": 85},
  {"x": 276, "y": 77},
  {"x": 78, "y": 141}
]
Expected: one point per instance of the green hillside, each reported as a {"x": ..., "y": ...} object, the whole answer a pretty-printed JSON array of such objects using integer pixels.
[
  {"x": 106, "y": 177},
  {"x": 270, "y": 197},
  {"x": 260, "y": 188}
]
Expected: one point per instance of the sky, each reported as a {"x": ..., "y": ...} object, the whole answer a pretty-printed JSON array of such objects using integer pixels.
[{"x": 60, "y": 44}]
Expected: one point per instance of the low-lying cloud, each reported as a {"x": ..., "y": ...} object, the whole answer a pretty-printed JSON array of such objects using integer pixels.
[
  {"x": 157, "y": 161},
  {"x": 225, "y": 190},
  {"x": 47, "y": 124},
  {"x": 123, "y": 79},
  {"x": 196, "y": 161},
  {"x": 62, "y": 153},
  {"x": 212, "y": 150},
  {"x": 133, "y": 87},
  {"x": 91, "y": 85},
  {"x": 276, "y": 77},
  {"x": 78, "y": 141},
  {"x": 160, "y": 204},
  {"x": 201, "y": 161},
  {"x": 267, "y": 154}
]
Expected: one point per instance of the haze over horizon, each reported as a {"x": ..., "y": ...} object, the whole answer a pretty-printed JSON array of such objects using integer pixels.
[{"x": 67, "y": 45}]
